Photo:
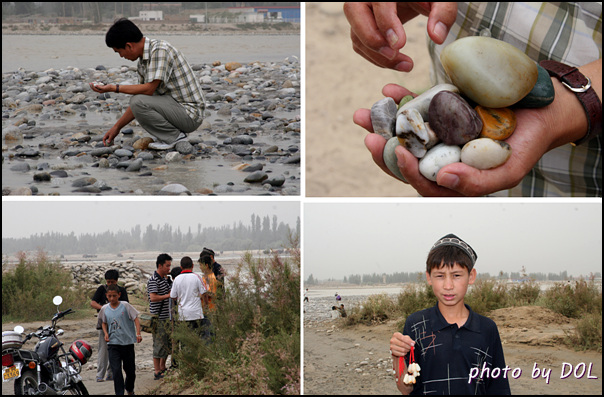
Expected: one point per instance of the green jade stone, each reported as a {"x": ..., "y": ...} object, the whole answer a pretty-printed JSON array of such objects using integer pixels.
[
  {"x": 542, "y": 93},
  {"x": 405, "y": 99}
]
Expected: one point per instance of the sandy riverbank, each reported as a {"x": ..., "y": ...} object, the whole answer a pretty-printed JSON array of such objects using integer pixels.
[{"x": 355, "y": 360}]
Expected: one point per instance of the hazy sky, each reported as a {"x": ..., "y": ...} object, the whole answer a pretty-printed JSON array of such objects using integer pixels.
[
  {"x": 24, "y": 218},
  {"x": 344, "y": 239}
]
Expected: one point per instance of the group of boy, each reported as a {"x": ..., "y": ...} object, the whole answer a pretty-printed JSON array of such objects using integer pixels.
[{"x": 119, "y": 325}]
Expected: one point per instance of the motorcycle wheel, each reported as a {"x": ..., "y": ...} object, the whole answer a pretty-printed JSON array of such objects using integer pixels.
[
  {"x": 27, "y": 383},
  {"x": 79, "y": 389}
]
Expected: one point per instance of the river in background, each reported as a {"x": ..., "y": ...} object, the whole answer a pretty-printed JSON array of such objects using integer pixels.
[{"x": 41, "y": 52}]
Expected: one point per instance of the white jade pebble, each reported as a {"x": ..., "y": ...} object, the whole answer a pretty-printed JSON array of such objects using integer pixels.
[
  {"x": 436, "y": 158},
  {"x": 485, "y": 153}
]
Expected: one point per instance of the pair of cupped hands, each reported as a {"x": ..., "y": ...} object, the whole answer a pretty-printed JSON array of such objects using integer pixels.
[{"x": 378, "y": 35}]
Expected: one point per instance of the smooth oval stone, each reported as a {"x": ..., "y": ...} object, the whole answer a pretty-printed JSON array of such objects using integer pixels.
[
  {"x": 497, "y": 124},
  {"x": 411, "y": 132},
  {"x": 542, "y": 93},
  {"x": 436, "y": 158},
  {"x": 422, "y": 102},
  {"x": 491, "y": 72},
  {"x": 453, "y": 120},
  {"x": 390, "y": 158},
  {"x": 383, "y": 117},
  {"x": 485, "y": 153}
]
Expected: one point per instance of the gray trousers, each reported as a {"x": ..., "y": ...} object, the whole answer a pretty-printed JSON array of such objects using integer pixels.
[
  {"x": 103, "y": 357},
  {"x": 161, "y": 116}
]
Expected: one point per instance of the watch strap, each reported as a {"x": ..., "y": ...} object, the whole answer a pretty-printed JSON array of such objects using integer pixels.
[{"x": 580, "y": 85}]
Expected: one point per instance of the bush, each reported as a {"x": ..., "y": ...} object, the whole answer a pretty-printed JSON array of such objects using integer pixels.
[
  {"x": 256, "y": 344},
  {"x": 375, "y": 310},
  {"x": 523, "y": 294},
  {"x": 588, "y": 333},
  {"x": 574, "y": 300},
  {"x": 486, "y": 295},
  {"x": 27, "y": 291}
]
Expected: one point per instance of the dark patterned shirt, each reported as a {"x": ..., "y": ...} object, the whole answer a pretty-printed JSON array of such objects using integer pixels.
[{"x": 447, "y": 354}]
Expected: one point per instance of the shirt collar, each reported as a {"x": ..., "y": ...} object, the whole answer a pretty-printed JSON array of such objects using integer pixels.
[
  {"x": 439, "y": 323},
  {"x": 146, "y": 50}
]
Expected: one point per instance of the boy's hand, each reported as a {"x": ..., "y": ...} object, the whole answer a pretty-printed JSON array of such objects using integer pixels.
[
  {"x": 106, "y": 338},
  {"x": 400, "y": 344},
  {"x": 139, "y": 338}
]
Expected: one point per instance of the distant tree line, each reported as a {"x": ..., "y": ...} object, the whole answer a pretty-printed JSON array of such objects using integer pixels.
[
  {"x": 97, "y": 11},
  {"x": 260, "y": 233},
  {"x": 406, "y": 277}
]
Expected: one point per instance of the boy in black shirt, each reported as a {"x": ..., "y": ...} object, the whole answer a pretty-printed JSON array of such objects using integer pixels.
[{"x": 449, "y": 339}]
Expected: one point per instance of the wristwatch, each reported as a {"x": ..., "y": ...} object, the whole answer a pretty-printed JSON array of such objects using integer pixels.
[
  {"x": 575, "y": 81},
  {"x": 117, "y": 88}
]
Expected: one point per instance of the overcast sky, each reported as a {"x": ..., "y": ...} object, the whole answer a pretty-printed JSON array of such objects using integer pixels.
[
  {"x": 344, "y": 239},
  {"x": 24, "y": 218}
]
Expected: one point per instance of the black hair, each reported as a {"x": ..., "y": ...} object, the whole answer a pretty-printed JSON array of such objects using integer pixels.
[
  {"x": 112, "y": 274},
  {"x": 114, "y": 287},
  {"x": 205, "y": 259},
  {"x": 186, "y": 263},
  {"x": 162, "y": 258},
  {"x": 175, "y": 272},
  {"x": 448, "y": 255},
  {"x": 121, "y": 32},
  {"x": 207, "y": 251}
]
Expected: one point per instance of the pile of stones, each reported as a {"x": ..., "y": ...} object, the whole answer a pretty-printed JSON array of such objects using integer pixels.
[{"x": 91, "y": 275}]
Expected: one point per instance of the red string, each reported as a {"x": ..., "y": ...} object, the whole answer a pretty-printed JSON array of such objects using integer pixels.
[{"x": 412, "y": 358}]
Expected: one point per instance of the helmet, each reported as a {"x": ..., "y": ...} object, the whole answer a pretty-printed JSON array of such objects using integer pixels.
[{"x": 81, "y": 350}]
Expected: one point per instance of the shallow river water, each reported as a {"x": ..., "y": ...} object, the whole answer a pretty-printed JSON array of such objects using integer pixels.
[{"x": 41, "y": 52}]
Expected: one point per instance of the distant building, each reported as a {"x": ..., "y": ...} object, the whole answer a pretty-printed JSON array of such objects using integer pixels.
[
  {"x": 267, "y": 14},
  {"x": 150, "y": 16}
]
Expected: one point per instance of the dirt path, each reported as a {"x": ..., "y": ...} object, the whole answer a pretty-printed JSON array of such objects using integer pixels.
[
  {"x": 85, "y": 329},
  {"x": 355, "y": 360}
]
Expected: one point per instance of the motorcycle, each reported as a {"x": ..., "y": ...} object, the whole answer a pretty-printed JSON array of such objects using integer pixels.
[{"x": 48, "y": 369}]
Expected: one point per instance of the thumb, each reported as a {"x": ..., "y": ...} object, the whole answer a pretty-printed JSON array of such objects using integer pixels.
[{"x": 441, "y": 18}]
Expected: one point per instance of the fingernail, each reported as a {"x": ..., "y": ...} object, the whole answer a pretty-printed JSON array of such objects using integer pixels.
[
  {"x": 440, "y": 30},
  {"x": 387, "y": 52},
  {"x": 448, "y": 180},
  {"x": 391, "y": 37},
  {"x": 404, "y": 66}
]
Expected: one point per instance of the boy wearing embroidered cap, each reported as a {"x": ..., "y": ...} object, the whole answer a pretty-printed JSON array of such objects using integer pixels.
[{"x": 450, "y": 339}]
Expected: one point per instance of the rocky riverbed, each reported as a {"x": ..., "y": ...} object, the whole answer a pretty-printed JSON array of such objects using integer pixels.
[{"x": 249, "y": 143}]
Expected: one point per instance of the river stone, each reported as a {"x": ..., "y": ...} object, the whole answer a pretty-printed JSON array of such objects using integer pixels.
[
  {"x": 485, "y": 153},
  {"x": 542, "y": 93},
  {"x": 256, "y": 177},
  {"x": 135, "y": 166},
  {"x": 390, "y": 158},
  {"x": 42, "y": 177},
  {"x": 436, "y": 158},
  {"x": 174, "y": 189},
  {"x": 453, "y": 120},
  {"x": 422, "y": 102},
  {"x": 497, "y": 124},
  {"x": 411, "y": 132},
  {"x": 276, "y": 181},
  {"x": 383, "y": 117},
  {"x": 491, "y": 72}
]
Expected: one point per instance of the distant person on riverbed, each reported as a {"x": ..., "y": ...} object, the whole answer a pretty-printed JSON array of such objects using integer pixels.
[{"x": 168, "y": 101}]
